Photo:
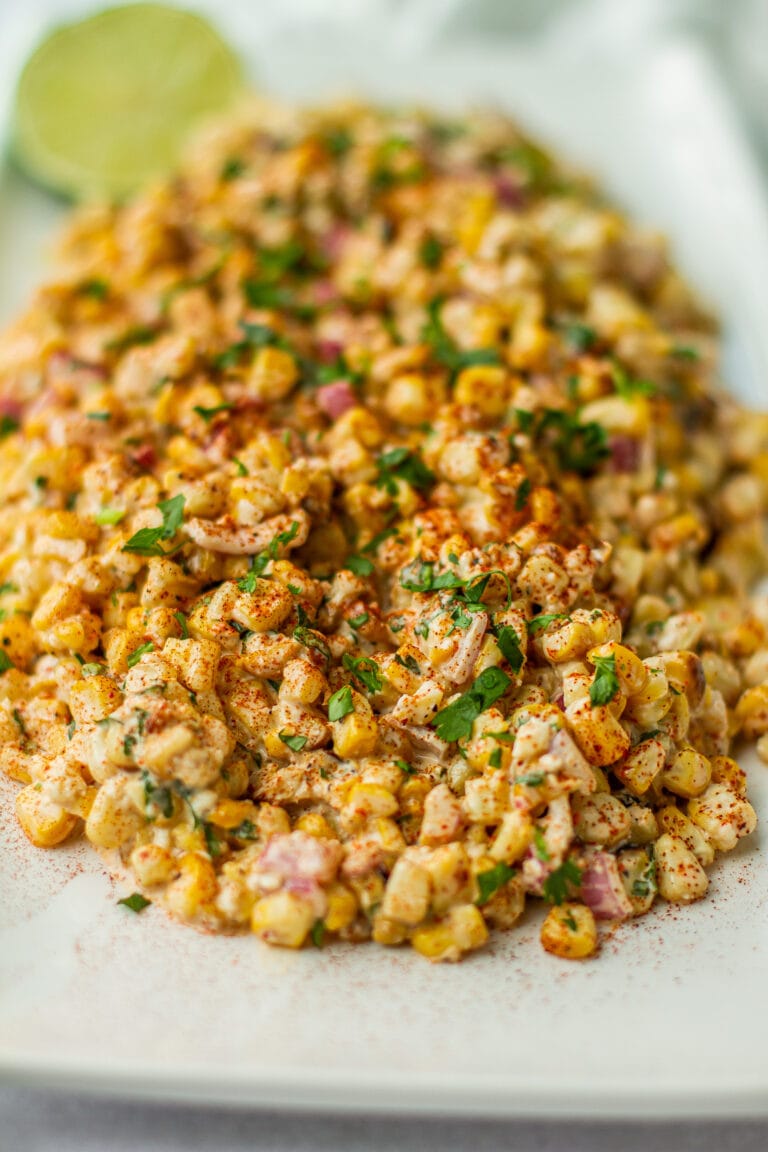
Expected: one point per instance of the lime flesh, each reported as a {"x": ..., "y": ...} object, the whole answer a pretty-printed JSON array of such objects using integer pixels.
[{"x": 104, "y": 105}]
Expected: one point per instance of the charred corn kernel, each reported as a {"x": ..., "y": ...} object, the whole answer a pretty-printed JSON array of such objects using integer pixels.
[
  {"x": 94, "y": 698},
  {"x": 486, "y": 798},
  {"x": 462, "y": 930},
  {"x": 689, "y": 774},
  {"x": 598, "y": 733},
  {"x": 642, "y": 767},
  {"x": 676, "y": 823},
  {"x": 406, "y": 896},
  {"x": 752, "y": 711},
  {"x": 273, "y": 374},
  {"x": 512, "y": 837},
  {"x": 355, "y": 736},
  {"x": 485, "y": 387},
  {"x": 569, "y": 931},
  {"x": 679, "y": 876},
  {"x": 230, "y": 814},
  {"x": 153, "y": 864},
  {"x": 45, "y": 823},
  {"x": 342, "y": 907},
  {"x": 723, "y": 815},
  {"x": 282, "y": 918},
  {"x": 194, "y": 887},
  {"x": 315, "y": 824}
]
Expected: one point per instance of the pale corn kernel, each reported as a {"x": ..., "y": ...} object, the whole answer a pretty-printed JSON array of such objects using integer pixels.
[
  {"x": 449, "y": 870},
  {"x": 762, "y": 748},
  {"x": 113, "y": 819},
  {"x": 406, "y": 896},
  {"x": 161, "y": 747},
  {"x": 679, "y": 876},
  {"x": 389, "y": 835},
  {"x": 411, "y": 398},
  {"x": 512, "y": 838},
  {"x": 272, "y": 821},
  {"x": 94, "y": 698},
  {"x": 641, "y": 767},
  {"x": 273, "y": 374},
  {"x": 631, "y": 671},
  {"x": 43, "y": 822},
  {"x": 315, "y": 824},
  {"x": 388, "y": 933},
  {"x": 752, "y": 711},
  {"x": 19, "y": 641},
  {"x": 676, "y": 823},
  {"x": 601, "y": 819},
  {"x": 571, "y": 642},
  {"x": 194, "y": 661},
  {"x": 446, "y": 940},
  {"x": 194, "y": 888},
  {"x": 569, "y": 931},
  {"x": 486, "y": 798},
  {"x": 468, "y": 927},
  {"x": 264, "y": 609},
  {"x": 152, "y": 865},
  {"x": 723, "y": 816},
  {"x": 118, "y": 645},
  {"x": 283, "y": 919},
  {"x": 302, "y": 681},
  {"x": 629, "y": 417},
  {"x": 689, "y": 774}
]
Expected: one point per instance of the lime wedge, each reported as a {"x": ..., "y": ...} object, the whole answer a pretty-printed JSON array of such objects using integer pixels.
[{"x": 103, "y": 105}]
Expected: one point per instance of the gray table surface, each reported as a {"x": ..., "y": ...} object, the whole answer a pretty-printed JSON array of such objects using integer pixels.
[{"x": 37, "y": 1121}]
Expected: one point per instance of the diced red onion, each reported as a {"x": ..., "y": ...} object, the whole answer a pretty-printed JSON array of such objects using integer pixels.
[
  {"x": 602, "y": 889},
  {"x": 336, "y": 398},
  {"x": 297, "y": 856},
  {"x": 625, "y": 453}
]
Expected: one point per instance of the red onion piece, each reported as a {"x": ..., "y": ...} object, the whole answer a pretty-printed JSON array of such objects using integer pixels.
[
  {"x": 297, "y": 856},
  {"x": 625, "y": 453},
  {"x": 336, "y": 398},
  {"x": 602, "y": 889}
]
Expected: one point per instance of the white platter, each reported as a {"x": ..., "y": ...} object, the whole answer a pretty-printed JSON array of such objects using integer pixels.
[{"x": 670, "y": 1020}]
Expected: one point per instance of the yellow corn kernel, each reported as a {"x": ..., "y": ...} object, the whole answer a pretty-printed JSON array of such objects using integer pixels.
[
  {"x": 388, "y": 932},
  {"x": 152, "y": 865},
  {"x": 342, "y": 907},
  {"x": 15, "y": 763},
  {"x": 60, "y": 600},
  {"x": 283, "y": 919},
  {"x": 485, "y": 387},
  {"x": 355, "y": 736},
  {"x": 389, "y": 835},
  {"x": 161, "y": 747},
  {"x": 628, "y": 416},
  {"x": 273, "y": 374},
  {"x": 272, "y": 821},
  {"x": 112, "y": 819},
  {"x": 486, "y": 797},
  {"x": 598, "y": 733},
  {"x": 315, "y": 824},
  {"x": 679, "y": 876},
  {"x": 118, "y": 644},
  {"x": 230, "y": 814},
  {"x": 18, "y": 639},
  {"x": 366, "y": 800},
  {"x": 412, "y": 398},
  {"x": 45, "y": 823},
  {"x": 512, "y": 837},
  {"x": 569, "y": 931},
  {"x": 571, "y": 642},
  {"x": 94, "y": 698},
  {"x": 723, "y": 816},
  {"x": 462, "y": 930},
  {"x": 449, "y": 870},
  {"x": 63, "y": 525},
  {"x": 194, "y": 887},
  {"x": 194, "y": 661},
  {"x": 752, "y": 711},
  {"x": 689, "y": 774},
  {"x": 726, "y": 771}
]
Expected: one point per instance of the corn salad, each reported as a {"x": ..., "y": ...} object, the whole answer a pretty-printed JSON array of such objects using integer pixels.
[{"x": 377, "y": 545}]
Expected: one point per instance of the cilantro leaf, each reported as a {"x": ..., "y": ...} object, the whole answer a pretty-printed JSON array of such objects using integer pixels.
[
  {"x": 491, "y": 881},
  {"x": 431, "y": 252},
  {"x": 539, "y": 623},
  {"x": 293, "y": 741},
  {"x": 209, "y": 413},
  {"x": 145, "y": 542},
  {"x": 340, "y": 704},
  {"x": 5, "y": 661},
  {"x": 627, "y": 385},
  {"x": 509, "y": 643},
  {"x": 364, "y": 669},
  {"x": 359, "y": 565},
  {"x": 109, "y": 516},
  {"x": 181, "y": 620},
  {"x": 137, "y": 653},
  {"x": 136, "y": 902},
  {"x": 606, "y": 683},
  {"x": 557, "y": 884},
  {"x": 7, "y": 426},
  {"x": 455, "y": 721},
  {"x": 402, "y": 464},
  {"x": 445, "y": 350}
]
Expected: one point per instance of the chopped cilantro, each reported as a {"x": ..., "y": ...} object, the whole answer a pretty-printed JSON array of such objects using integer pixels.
[
  {"x": 489, "y": 882},
  {"x": 360, "y": 565},
  {"x": 402, "y": 464},
  {"x": 5, "y": 661},
  {"x": 405, "y": 767},
  {"x": 431, "y": 252},
  {"x": 293, "y": 741},
  {"x": 231, "y": 169},
  {"x": 455, "y": 721},
  {"x": 136, "y": 902},
  {"x": 145, "y": 542},
  {"x": 241, "y": 468},
  {"x": 103, "y": 416},
  {"x": 540, "y": 845},
  {"x": 557, "y": 884},
  {"x": 181, "y": 620},
  {"x": 365, "y": 670},
  {"x": 340, "y": 704},
  {"x": 539, "y": 623},
  {"x": 109, "y": 516},
  {"x": 522, "y": 494},
  {"x": 509, "y": 643},
  {"x": 606, "y": 683},
  {"x": 445, "y": 350},
  {"x": 317, "y": 934},
  {"x": 137, "y": 653},
  {"x": 628, "y": 386},
  {"x": 494, "y": 760},
  {"x": 209, "y": 413},
  {"x": 141, "y": 334},
  {"x": 7, "y": 426}
]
